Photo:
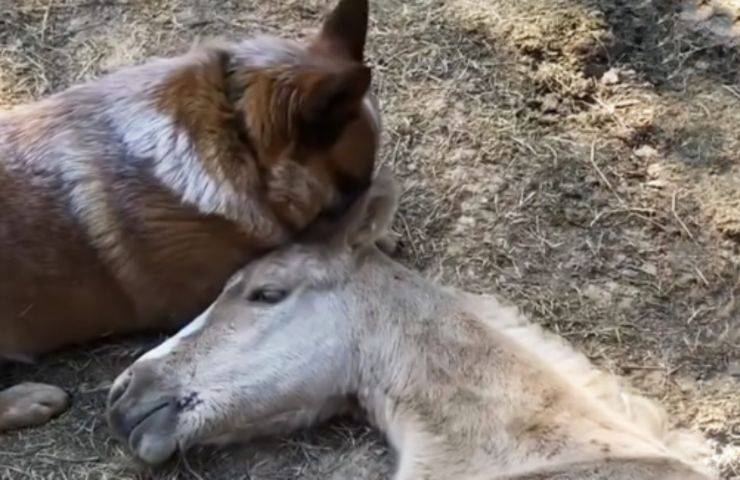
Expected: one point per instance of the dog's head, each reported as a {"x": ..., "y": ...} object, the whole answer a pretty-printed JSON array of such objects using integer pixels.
[
  {"x": 305, "y": 125},
  {"x": 307, "y": 114}
]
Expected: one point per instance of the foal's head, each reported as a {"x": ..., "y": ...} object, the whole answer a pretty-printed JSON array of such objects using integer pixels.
[{"x": 273, "y": 352}]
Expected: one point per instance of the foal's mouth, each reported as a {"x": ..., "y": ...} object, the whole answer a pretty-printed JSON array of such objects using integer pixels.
[
  {"x": 147, "y": 428},
  {"x": 144, "y": 417},
  {"x": 152, "y": 435}
]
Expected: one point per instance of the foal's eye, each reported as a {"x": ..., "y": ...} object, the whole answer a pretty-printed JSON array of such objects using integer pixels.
[{"x": 267, "y": 295}]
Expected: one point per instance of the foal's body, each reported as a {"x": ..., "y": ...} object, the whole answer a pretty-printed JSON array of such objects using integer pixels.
[
  {"x": 463, "y": 387},
  {"x": 444, "y": 376}
]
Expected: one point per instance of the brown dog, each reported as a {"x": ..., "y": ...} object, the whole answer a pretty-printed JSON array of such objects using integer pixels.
[{"x": 128, "y": 201}]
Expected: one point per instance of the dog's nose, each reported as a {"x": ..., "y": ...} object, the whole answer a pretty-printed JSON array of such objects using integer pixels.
[{"x": 140, "y": 396}]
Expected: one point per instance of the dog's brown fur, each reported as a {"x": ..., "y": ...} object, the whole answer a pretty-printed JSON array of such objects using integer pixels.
[{"x": 127, "y": 202}]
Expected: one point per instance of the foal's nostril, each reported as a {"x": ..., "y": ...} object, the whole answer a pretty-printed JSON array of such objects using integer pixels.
[
  {"x": 120, "y": 385},
  {"x": 140, "y": 402}
]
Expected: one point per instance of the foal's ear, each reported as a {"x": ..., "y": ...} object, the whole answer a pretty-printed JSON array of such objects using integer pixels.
[
  {"x": 344, "y": 31},
  {"x": 371, "y": 216}
]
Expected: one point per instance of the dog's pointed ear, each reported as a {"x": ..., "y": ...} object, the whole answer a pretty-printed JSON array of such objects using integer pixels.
[
  {"x": 344, "y": 31},
  {"x": 331, "y": 98}
]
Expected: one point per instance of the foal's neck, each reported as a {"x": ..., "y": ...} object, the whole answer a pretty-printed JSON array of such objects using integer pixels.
[
  {"x": 426, "y": 369},
  {"x": 459, "y": 399}
]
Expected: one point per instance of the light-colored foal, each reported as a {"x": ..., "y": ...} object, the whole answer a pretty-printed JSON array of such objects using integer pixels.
[{"x": 463, "y": 387}]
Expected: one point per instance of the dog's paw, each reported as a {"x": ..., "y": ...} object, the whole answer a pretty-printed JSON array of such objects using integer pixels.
[{"x": 30, "y": 404}]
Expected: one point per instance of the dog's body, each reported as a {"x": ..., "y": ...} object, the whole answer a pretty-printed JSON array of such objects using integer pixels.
[
  {"x": 94, "y": 238},
  {"x": 127, "y": 202}
]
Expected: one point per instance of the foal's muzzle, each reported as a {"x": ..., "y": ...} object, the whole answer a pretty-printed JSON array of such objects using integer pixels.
[{"x": 143, "y": 413}]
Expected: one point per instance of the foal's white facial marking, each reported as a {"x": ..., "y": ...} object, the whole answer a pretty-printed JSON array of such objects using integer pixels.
[{"x": 171, "y": 343}]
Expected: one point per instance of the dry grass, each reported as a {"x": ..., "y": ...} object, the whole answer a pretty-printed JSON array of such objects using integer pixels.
[{"x": 580, "y": 157}]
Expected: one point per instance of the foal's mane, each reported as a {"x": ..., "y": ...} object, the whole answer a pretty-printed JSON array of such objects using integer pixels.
[{"x": 607, "y": 390}]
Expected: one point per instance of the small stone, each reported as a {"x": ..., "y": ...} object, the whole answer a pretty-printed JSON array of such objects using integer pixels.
[
  {"x": 550, "y": 103},
  {"x": 657, "y": 183},
  {"x": 596, "y": 294},
  {"x": 629, "y": 73},
  {"x": 685, "y": 279},
  {"x": 701, "y": 65},
  {"x": 463, "y": 224},
  {"x": 646, "y": 151},
  {"x": 466, "y": 220},
  {"x": 629, "y": 272},
  {"x": 610, "y": 77},
  {"x": 650, "y": 269},
  {"x": 654, "y": 170}
]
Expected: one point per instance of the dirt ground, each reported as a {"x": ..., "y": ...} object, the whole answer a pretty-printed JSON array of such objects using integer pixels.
[{"x": 579, "y": 157}]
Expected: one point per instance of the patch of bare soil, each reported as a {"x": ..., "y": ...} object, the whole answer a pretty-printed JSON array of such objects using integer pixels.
[{"x": 581, "y": 158}]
